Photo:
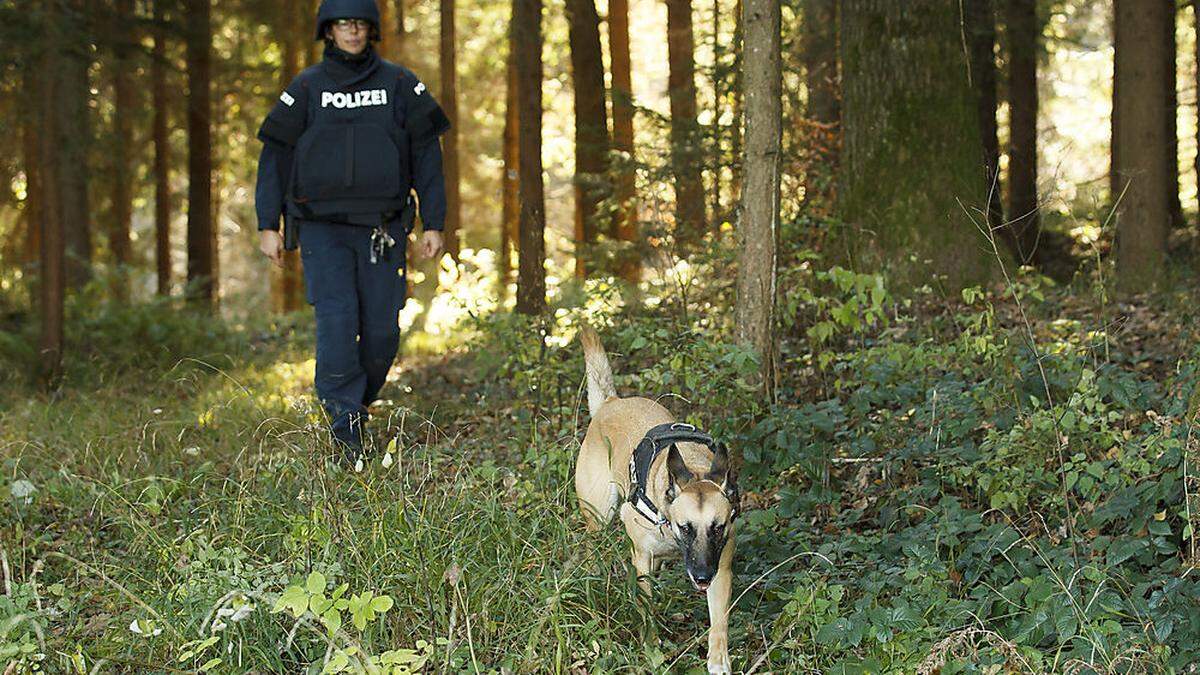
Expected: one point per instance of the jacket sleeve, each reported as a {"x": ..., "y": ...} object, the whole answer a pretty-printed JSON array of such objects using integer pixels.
[
  {"x": 274, "y": 168},
  {"x": 279, "y": 133},
  {"x": 425, "y": 122}
]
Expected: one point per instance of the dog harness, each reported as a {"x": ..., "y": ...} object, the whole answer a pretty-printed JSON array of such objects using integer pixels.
[{"x": 655, "y": 441}]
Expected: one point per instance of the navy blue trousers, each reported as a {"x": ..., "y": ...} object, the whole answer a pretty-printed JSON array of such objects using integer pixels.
[{"x": 356, "y": 304}]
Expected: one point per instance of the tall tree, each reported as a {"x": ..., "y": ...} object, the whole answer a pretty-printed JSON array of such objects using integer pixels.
[
  {"x": 1140, "y": 142},
  {"x": 1024, "y": 40},
  {"x": 821, "y": 61},
  {"x": 626, "y": 222},
  {"x": 74, "y": 136},
  {"x": 591, "y": 124},
  {"x": 401, "y": 31},
  {"x": 123, "y": 104},
  {"x": 1196, "y": 22},
  {"x": 449, "y": 101},
  {"x": 201, "y": 244},
  {"x": 1170, "y": 54},
  {"x": 758, "y": 230},
  {"x": 387, "y": 32},
  {"x": 32, "y": 129},
  {"x": 910, "y": 158},
  {"x": 980, "y": 20},
  {"x": 290, "y": 279},
  {"x": 685, "y": 137},
  {"x": 511, "y": 209},
  {"x": 527, "y": 42},
  {"x": 822, "y": 82},
  {"x": 162, "y": 152},
  {"x": 53, "y": 74}
]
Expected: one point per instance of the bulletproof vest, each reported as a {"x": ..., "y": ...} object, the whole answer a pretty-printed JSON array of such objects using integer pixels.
[
  {"x": 350, "y": 136},
  {"x": 353, "y": 157}
]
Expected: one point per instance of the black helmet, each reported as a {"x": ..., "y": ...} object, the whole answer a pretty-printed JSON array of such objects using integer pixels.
[{"x": 346, "y": 9}]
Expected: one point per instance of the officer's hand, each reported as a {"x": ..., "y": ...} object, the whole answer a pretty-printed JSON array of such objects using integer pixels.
[
  {"x": 431, "y": 244},
  {"x": 271, "y": 244}
]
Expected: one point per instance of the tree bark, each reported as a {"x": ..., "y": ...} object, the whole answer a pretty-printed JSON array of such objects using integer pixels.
[
  {"x": 290, "y": 280},
  {"x": 527, "y": 36},
  {"x": 821, "y": 79},
  {"x": 758, "y": 231},
  {"x": 1171, "y": 119},
  {"x": 122, "y": 194},
  {"x": 32, "y": 130},
  {"x": 1024, "y": 33},
  {"x": 54, "y": 76},
  {"x": 980, "y": 20},
  {"x": 73, "y": 136},
  {"x": 449, "y": 101},
  {"x": 401, "y": 32},
  {"x": 1143, "y": 214},
  {"x": 685, "y": 137},
  {"x": 162, "y": 153},
  {"x": 591, "y": 126},
  {"x": 626, "y": 221},
  {"x": 511, "y": 215},
  {"x": 909, "y": 171},
  {"x": 201, "y": 250},
  {"x": 821, "y": 61}
]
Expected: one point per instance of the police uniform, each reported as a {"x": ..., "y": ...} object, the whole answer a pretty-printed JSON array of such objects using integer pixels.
[{"x": 343, "y": 148}]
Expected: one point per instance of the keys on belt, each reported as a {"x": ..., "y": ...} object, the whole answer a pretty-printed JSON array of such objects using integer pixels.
[{"x": 381, "y": 241}]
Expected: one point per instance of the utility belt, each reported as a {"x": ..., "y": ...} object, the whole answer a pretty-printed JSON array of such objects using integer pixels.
[{"x": 377, "y": 221}]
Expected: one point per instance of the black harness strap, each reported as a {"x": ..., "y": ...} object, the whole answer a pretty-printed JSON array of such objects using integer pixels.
[{"x": 655, "y": 441}]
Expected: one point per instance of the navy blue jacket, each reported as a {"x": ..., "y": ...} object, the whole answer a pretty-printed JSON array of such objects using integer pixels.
[{"x": 416, "y": 113}]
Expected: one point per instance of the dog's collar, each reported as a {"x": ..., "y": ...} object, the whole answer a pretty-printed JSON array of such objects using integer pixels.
[{"x": 655, "y": 441}]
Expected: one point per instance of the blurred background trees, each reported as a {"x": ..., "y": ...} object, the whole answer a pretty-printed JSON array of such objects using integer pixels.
[{"x": 909, "y": 132}]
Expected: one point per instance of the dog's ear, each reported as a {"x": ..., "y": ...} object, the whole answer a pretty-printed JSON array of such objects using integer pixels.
[
  {"x": 677, "y": 472},
  {"x": 719, "y": 472}
]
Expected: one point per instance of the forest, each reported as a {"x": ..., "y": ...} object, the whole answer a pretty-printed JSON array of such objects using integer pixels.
[{"x": 928, "y": 268}]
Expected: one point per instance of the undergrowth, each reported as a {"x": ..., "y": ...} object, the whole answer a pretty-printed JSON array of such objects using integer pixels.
[{"x": 943, "y": 484}]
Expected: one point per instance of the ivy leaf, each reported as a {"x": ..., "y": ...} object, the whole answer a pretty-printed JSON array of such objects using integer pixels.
[
  {"x": 315, "y": 583},
  {"x": 293, "y": 598}
]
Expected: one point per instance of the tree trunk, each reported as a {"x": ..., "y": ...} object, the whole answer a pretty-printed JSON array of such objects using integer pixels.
[
  {"x": 527, "y": 38},
  {"x": 32, "y": 130},
  {"x": 1144, "y": 213},
  {"x": 1170, "y": 53},
  {"x": 1024, "y": 33},
  {"x": 74, "y": 138},
  {"x": 511, "y": 216},
  {"x": 162, "y": 153},
  {"x": 387, "y": 35},
  {"x": 820, "y": 61},
  {"x": 201, "y": 251},
  {"x": 290, "y": 280},
  {"x": 685, "y": 137},
  {"x": 591, "y": 125},
  {"x": 401, "y": 33},
  {"x": 626, "y": 221},
  {"x": 910, "y": 159},
  {"x": 123, "y": 109},
  {"x": 821, "y": 80},
  {"x": 449, "y": 101},
  {"x": 54, "y": 76},
  {"x": 1196, "y": 21},
  {"x": 980, "y": 20},
  {"x": 758, "y": 231},
  {"x": 735, "y": 141}
]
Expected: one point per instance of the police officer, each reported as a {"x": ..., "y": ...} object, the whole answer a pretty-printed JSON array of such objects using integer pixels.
[{"x": 343, "y": 148}]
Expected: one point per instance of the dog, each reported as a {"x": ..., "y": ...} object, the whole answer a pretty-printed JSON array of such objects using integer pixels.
[{"x": 684, "y": 499}]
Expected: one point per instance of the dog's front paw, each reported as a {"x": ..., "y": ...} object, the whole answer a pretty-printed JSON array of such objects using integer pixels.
[{"x": 718, "y": 658}]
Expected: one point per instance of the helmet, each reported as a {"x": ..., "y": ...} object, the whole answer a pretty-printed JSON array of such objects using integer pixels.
[{"x": 346, "y": 9}]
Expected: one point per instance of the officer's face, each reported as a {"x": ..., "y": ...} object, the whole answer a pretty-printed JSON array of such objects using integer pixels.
[{"x": 350, "y": 35}]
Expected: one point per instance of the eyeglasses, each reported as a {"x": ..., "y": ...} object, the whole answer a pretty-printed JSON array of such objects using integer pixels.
[{"x": 347, "y": 24}]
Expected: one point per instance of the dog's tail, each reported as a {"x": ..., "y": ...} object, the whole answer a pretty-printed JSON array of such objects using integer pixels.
[{"x": 599, "y": 372}]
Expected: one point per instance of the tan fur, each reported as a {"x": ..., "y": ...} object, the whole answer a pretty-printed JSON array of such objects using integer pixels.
[{"x": 602, "y": 483}]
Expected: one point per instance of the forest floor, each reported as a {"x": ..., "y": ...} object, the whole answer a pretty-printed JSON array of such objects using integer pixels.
[{"x": 965, "y": 484}]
